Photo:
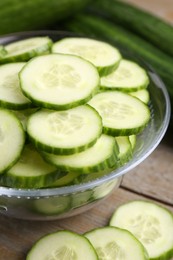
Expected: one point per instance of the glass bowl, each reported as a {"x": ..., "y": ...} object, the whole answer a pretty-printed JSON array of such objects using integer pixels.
[{"x": 57, "y": 203}]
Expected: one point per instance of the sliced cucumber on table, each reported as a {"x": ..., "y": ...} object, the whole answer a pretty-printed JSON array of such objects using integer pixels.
[
  {"x": 31, "y": 171},
  {"x": 115, "y": 243},
  {"x": 65, "y": 132},
  {"x": 150, "y": 223},
  {"x": 103, "y": 55},
  {"x": 11, "y": 95},
  {"x": 26, "y": 49},
  {"x": 129, "y": 76},
  {"x": 121, "y": 113},
  {"x": 59, "y": 81},
  {"x": 102, "y": 155},
  {"x": 62, "y": 245},
  {"x": 12, "y": 139}
]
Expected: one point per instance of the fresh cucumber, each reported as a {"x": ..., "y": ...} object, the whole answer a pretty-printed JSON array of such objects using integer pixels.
[
  {"x": 132, "y": 139},
  {"x": 144, "y": 23},
  {"x": 59, "y": 81},
  {"x": 11, "y": 94},
  {"x": 31, "y": 171},
  {"x": 65, "y": 132},
  {"x": 12, "y": 139},
  {"x": 121, "y": 113},
  {"x": 26, "y": 49},
  {"x": 104, "y": 56},
  {"x": 101, "y": 156},
  {"x": 150, "y": 223},
  {"x": 115, "y": 243},
  {"x": 81, "y": 198},
  {"x": 52, "y": 206},
  {"x": 65, "y": 180},
  {"x": 125, "y": 149},
  {"x": 142, "y": 94},
  {"x": 3, "y": 51},
  {"x": 23, "y": 115},
  {"x": 100, "y": 28},
  {"x": 129, "y": 76},
  {"x": 62, "y": 245}
]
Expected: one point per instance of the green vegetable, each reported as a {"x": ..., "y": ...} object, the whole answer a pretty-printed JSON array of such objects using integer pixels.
[
  {"x": 100, "y": 28},
  {"x": 143, "y": 23},
  {"x": 17, "y": 15}
]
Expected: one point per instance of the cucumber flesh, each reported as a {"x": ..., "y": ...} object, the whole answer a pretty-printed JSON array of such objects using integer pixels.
[
  {"x": 102, "y": 155},
  {"x": 12, "y": 139},
  {"x": 31, "y": 171},
  {"x": 62, "y": 245},
  {"x": 132, "y": 139},
  {"x": 59, "y": 81},
  {"x": 3, "y": 51},
  {"x": 125, "y": 149},
  {"x": 104, "y": 56},
  {"x": 121, "y": 113},
  {"x": 26, "y": 49},
  {"x": 129, "y": 76},
  {"x": 115, "y": 243},
  {"x": 142, "y": 94},
  {"x": 65, "y": 132},
  {"x": 65, "y": 180},
  {"x": 11, "y": 94},
  {"x": 150, "y": 223}
]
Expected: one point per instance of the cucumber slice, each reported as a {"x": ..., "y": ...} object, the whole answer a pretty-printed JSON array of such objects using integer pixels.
[
  {"x": 105, "y": 189},
  {"x": 65, "y": 132},
  {"x": 150, "y": 223},
  {"x": 59, "y": 81},
  {"x": 104, "y": 56},
  {"x": 121, "y": 113},
  {"x": 11, "y": 94},
  {"x": 52, "y": 206},
  {"x": 23, "y": 115},
  {"x": 132, "y": 139},
  {"x": 125, "y": 149},
  {"x": 81, "y": 198},
  {"x": 142, "y": 94},
  {"x": 129, "y": 76},
  {"x": 26, "y": 49},
  {"x": 115, "y": 243},
  {"x": 65, "y": 180},
  {"x": 12, "y": 139},
  {"x": 62, "y": 245},
  {"x": 102, "y": 155},
  {"x": 3, "y": 51},
  {"x": 31, "y": 171}
]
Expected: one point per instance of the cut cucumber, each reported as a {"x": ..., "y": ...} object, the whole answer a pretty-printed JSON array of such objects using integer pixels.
[
  {"x": 125, "y": 149},
  {"x": 121, "y": 113},
  {"x": 26, "y": 49},
  {"x": 12, "y": 139},
  {"x": 11, "y": 94},
  {"x": 115, "y": 243},
  {"x": 129, "y": 76},
  {"x": 65, "y": 180},
  {"x": 81, "y": 198},
  {"x": 132, "y": 139},
  {"x": 59, "y": 81},
  {"x": 142, "y": 94},
  {"x": 65, "y": 132},
  {"x": 102, "y": 155},
  {"x": 62, "y": 245},
  {"x": 3, "y": 51},
  {"x": 23, "y": 115},
  {"x": 104, "y": 56},
  {"x": 52, "y": 206},
  {"x": 105, "y": 189},
  {"x": 150, "y": 223},
  {"x": 31, "y": 171}
]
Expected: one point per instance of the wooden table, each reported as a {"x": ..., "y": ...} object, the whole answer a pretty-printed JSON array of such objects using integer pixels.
[{"x": 152, "y": 180}]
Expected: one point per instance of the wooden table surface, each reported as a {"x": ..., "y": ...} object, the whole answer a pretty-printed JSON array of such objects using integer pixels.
[{"x": 153, "y": 179}]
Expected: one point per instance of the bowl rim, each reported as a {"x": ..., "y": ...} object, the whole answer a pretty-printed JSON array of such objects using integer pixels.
[{"x": 72, "y": 189}]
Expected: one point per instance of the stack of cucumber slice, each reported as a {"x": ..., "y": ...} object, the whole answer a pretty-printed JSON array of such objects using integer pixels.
[
  {"x": 138, "y": 230},
  {"x": 79, "y": 103}
]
